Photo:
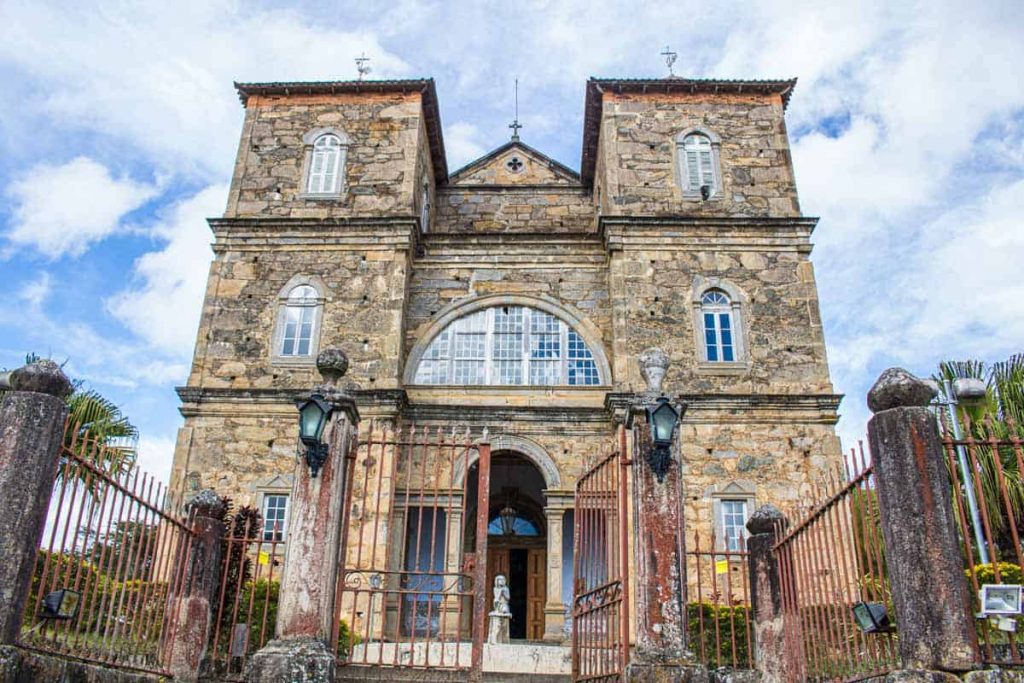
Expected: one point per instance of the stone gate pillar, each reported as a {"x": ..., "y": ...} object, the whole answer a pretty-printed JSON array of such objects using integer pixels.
[
  {"x": 302, "y": 650},
  {"x": 929, "y": 589},
  {"x": 661, "y": 650},
  {"x": 32, "y": 420}
]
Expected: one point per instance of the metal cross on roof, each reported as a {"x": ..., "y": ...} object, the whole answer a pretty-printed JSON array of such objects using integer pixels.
[
  {"x": 670, "y": 59},
  {"x": 361, "y": 65},
  {"x": 515, "y": 125}
]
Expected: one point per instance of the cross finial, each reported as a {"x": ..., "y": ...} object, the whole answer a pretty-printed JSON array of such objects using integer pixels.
[
  {"x": 361, "y": 65},
  {"x": 515, "y": 125},
  {"x": 670, "y": 59}
]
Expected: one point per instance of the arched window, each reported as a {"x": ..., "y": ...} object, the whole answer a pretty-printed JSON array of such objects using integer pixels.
[
  {"x": 719, "y": 327},
  {"x": 425, "y": 207},
  {"x": 698, "y": 165},
  {"x": 510, "y": 345},
  {"x": 298, "y": 321},
  {"x": 326, "y": 165}
]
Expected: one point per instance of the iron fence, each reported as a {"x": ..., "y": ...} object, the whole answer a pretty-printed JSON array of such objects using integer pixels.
[
  {"x": 719, "y": 628},
  {"x": 992, "y": 452},
  {"x": 830, "y": 561},
  {"x": 600, "y": 610},
  {"x": 112, "y": 556}
]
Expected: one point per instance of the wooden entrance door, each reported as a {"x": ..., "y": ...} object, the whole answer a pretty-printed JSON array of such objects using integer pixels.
[{"x": 536, "y": 592}]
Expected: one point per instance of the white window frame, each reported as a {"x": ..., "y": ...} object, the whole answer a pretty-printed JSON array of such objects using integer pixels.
[
  {"x": 337, "y": 187},
  {"x": 737, "y": 303},
  {"x": 724, "y": 505},
  {"x": 683, "y": 169},
  {"x": 266, "y": 534},
  {"x": 490, "y": 370},
  {"x": 717, "y": 310},
  {"x": 734, "y": 491},
  {"x": 425, "y": 207},
  {"x": 286, "y": 303}
]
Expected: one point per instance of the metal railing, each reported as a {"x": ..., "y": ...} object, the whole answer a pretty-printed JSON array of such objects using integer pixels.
[
  {"x": 719, "y": 628},
  {"x": 831, "y": 560},
  {"x": 112, "y": 556},
  {"x": 994, "y": 454}
]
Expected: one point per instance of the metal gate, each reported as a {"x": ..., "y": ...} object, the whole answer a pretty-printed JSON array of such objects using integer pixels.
[
  {"x": 412, "y": 593},
  {"x": 600, "y": 608}
]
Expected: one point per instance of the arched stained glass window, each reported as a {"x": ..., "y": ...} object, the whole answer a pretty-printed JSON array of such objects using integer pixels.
[
  {"x": 719, "y": 330},
  {"x": 508, "y": 345}
]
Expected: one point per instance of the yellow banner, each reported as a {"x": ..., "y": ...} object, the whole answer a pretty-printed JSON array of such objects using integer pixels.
[
  {"x": 264, "y": 558},
  {"x": 721, "y": 566}
]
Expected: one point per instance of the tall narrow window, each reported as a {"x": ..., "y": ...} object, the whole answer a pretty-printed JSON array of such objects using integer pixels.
[
  {"x": 425, "y": 207},
  {"x": 299, "y": 322},
  {"x": 275, "y": 516},
  {"x": 698, "y": 164},
  {"x": 734, "y": 521},
  {"x": 325, "y": 166},
  {"x": 719, "y": 330}
]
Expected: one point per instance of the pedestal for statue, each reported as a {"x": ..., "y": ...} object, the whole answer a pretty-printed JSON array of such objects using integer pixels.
[{"x": 498, "y": 632}]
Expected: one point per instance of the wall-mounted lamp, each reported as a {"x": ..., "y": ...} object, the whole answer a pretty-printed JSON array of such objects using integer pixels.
[
  {"x": 662, "y": 419},
  {"x": 313, "y": 414}
]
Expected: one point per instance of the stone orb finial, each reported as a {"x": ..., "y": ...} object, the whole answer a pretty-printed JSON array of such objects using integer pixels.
[
  {"x": 653, "y": 365},
  {"x": 43, "y": 377},
  {"x": 207, "y": 503},
  {"x": 332, "y": 364},
  {"x": 897, "y": 388},
  {"x": 765, "y": 519}
]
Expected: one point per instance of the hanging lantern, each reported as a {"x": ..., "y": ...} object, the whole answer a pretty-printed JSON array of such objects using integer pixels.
[{"x": 508, "y": 516}]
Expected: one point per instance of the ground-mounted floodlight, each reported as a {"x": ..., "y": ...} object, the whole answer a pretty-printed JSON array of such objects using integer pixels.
[
  {"x": 871, "y": 617},
  {"x": 61, "y": 605},
  {"x": 1000, "y": 599}
]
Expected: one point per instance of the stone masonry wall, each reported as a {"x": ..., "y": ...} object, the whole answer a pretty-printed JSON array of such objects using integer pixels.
[
  {"x": 380, "y": 169},
  {"x": 551, "y": 209},
  {"x": 638, "y": 148}
]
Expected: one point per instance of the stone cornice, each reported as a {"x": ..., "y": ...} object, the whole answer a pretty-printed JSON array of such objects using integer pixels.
[
  {"x": 739, "y": 406},
  {"x": 370, "y": 401},
  {"x": 397, "y": 232},
  {"x": 740, "y": 233}
]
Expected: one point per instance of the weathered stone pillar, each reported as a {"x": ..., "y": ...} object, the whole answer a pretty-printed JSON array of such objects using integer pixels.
[
  {"x": 193, "y": 609},
  {"x": 929, "y": 590},
  {"x": 776, "y": 662},
  {"x": 554, "y": 610},
  {"x": 32, "y": 418},
  {"x": 661, "y": 652},
  {"x": 301, "y": 651}
]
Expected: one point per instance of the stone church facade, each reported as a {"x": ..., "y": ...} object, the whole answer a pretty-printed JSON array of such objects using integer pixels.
[{"x": 515, "y": 294}]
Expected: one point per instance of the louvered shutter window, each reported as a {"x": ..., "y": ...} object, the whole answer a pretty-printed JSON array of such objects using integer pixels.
[
  {"x": 325, "y": 166},
  {"x": 698, "y": 161}
]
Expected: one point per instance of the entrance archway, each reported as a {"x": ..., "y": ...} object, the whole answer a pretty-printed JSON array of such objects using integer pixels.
[{"x": 517, "y": 543}]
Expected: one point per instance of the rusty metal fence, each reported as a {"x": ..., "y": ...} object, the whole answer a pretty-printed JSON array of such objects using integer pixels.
[
  {"x": 994, "y": 455},
  {"x": 830, "y": 561},
  {"x": 718, "y": 603},
  {"x": 412, "y": 593},
  {"x": 600, "y": 608},
  {"x": 112, "y": 556}
]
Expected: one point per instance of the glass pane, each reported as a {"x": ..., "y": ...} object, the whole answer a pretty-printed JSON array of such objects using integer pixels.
[
  {"x": 469, "y": 372},
  {"x": 545, "y": 372}
]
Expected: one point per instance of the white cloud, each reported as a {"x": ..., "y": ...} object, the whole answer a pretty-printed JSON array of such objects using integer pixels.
[
  {"x": 155, "y": 454},
  {"x": 163, "y": 305},
  {"x": 462, "y": 142},
  {"x": 34, "y": 293},
  {"x": 65, "y": 209}
]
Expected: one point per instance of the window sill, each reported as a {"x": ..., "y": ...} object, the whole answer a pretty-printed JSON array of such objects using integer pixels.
[
  {"x": 293, "y": 361},
  {"x": 327, "y": 196},
  {"x": 723, "y": 367}
]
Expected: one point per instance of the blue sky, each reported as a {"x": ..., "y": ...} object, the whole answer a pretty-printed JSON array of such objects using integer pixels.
[{"x": 119, "y": 125}]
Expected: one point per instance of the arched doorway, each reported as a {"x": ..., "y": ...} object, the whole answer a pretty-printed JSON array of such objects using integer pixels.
[{"x": 516, "y": 538}]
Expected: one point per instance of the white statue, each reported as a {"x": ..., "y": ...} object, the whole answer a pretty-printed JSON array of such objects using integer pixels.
[
  {"x": 500, "y": 615},
  {"x": 501, "y": 595}
]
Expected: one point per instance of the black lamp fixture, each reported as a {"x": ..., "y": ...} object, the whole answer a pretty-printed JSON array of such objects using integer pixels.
[
  {"x": 507, "y": 515},
  {"x": 871, "y": 617},
  {"x": 313, "y": 414},
  {"x": 662, "y": 419}
]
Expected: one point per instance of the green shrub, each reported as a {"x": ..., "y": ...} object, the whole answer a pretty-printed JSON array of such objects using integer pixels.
[
  {"x": 1008, "y": 573},
  {"x": 715, "y": 648}
]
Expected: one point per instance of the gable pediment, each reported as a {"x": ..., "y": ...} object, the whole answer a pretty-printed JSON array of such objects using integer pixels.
[{"x": 514, "y": 163}]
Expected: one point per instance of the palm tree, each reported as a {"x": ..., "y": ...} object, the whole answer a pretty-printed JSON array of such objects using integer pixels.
[
  {"x": 999, "y": 417},
  {"x": 97, "y": 431}
]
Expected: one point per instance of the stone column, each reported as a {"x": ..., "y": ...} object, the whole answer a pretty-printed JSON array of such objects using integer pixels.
[
  {"x": 32, "y": 418},
  {"x": 301, "y": 651},
  {"x": 775, "y": 662},
  {"x": 929, "y": 590},
  {"x": 661, "y": 646},
  {"x": 193, "y": 610},
  {"x": 554, "y": 610}
]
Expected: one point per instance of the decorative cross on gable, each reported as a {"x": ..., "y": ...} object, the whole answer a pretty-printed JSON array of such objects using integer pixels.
[{"x": 515, "y": 126}]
